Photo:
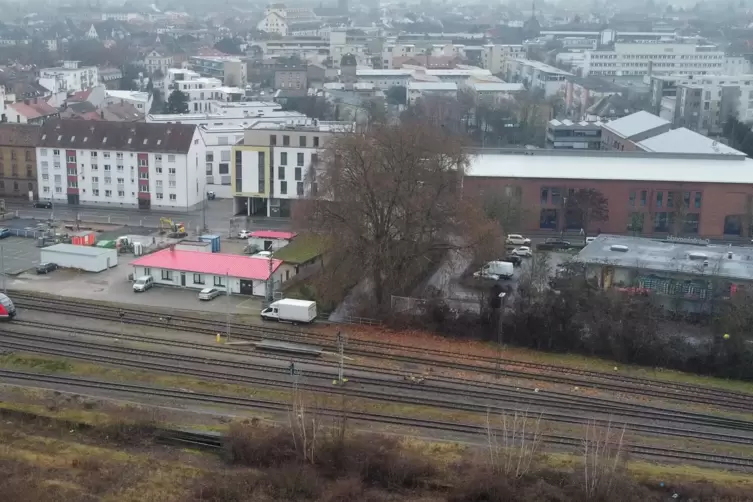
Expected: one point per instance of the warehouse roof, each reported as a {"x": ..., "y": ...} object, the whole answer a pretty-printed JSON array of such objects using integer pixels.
[
  {"x": 617, "y": 166},
  {"x": 684, "y": 140},
  {"x": 105, "y": 135},
  {"x": 635, "y": 123},
  {"x": 198, "y": 262},
  {"x": 78, "y": 250}
]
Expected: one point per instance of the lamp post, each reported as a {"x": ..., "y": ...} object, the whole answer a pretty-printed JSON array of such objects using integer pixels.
[{"x": 499, "y": 333}]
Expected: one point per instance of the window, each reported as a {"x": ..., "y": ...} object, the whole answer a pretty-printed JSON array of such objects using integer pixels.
[
  {"x": 314, "y": 158},
  {"x": 298, "y": 174},
  {"x": 121, "y": 193},
  {"x": 218, "y": 281},
  {"x": 635, "y": 222},
  {"x": 94, "y": 154},
  {"x": 659, "y": 199},
  {"x": 210, "y": 157},
  {"x": 171, "y": 183},
  {"x": 198, "y": 279},
  {"x": 95, "y": 179},
  {"x": 544, "y": 195},
  {"x": 686, "y": 199},
  {"x": 95, "y": 192},
  {"x": 108, "y": 193},
  {"x": 159, "y": 195},
  {"x": 316, "y": 141},
  {"x": 299, "y": 188},
  {"x": 71, "y": 158},
  {"x": 272, "y": 139},
  {"x": 43, "y": 152},
  {"x": 95, "y": 167},
  {"x": 631, "y": 199},
  {"x": 690, "y": 225},
  {"x": 106, "y": 155},
  {"x": 300, "y": 159},
  {"x": 27, "y": 156},
  {"x": 286, "y": 141},
  {"x": 167, "y": 275},
  {"x": 108, "y": 180},
  {"x": 71, "y": 172},
  {"x": 283, "y": 188},
  {"x": 158, "y": 170},
  {"x": 281, "y": 172},
  {"x": 548, "y": 219},
  {"x": 209, "y": 168},
  {"x": 171, "y": 158},
  {"x": 158, "y": 157},
  {"x": 302, "y": 141},
  {"x": 173, "y": 196},
  {"x": 225, "y": 168},
  {"x": 171, "y": 170},
  {"x": 45, "y": 177},
  {"x": 58, "y": 178},
  {"x": 58, "y": 189},
  {"x": 121, "y": 181},
  {"x": 45, "y": 164},
  {"x": 56, "y": 165},
  {"x": 225, "y": 156},
  {"x": 670, "y": 199},
  {"x": 143, "y": 163},
  {"x": 119, "y": 155},
  {"x": 284, "y": 159},
  {"x": 56, "y": 152},
  {"x": 697, "y": 201},
  {"x": 108, "y": 167},
  {"x": 661, "y": 222}
]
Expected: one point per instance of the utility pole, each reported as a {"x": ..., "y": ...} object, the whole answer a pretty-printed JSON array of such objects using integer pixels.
[
  {"x": 270, "y": 282},
  {"x": 204, "y": 213},
  {"x": 499, "y": 333},
  {"x": 341, "y": 339},
  {"x": 227, "y": 291}
]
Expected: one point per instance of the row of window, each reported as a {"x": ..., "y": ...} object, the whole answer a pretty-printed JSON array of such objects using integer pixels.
[
  {"x": 281, "y": 173},
  {"x": 14, "y": 156},
  {"x": 94, "y": 154},
  {"x": 167, "y": 275},
  {"x": 95, "y": 192},
  {"x": 690, "y": 200},
  {"x": 302, "y": 140},
  {"x": 14, "y": 170},
  {"x": 16, "y": 186}
]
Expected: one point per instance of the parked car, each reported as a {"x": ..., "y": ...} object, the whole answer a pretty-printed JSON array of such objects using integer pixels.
[
  {"x": 522, "y": 251},
  {"x": 554, "y": 244},
  {"x": 263, "y": 254},
  {"x": 244, "y": 234},
  {"x": 208, "y": 293},
  {"x": 515, "y": 260},
  {"x": 4, "y": 232},
  {"x": 495, "y": 270},
  {"x": 44, "y": 268},
  {"x": 44, "y": 204},
  {"x": 143, "y": 283},
  {"x": 517, "y": 240}
]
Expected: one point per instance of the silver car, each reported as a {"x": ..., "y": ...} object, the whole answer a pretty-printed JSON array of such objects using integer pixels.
[{"x": 209, "y": 293}]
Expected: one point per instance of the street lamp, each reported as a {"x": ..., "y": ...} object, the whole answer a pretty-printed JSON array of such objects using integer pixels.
[{"x": 501, "y": 296}]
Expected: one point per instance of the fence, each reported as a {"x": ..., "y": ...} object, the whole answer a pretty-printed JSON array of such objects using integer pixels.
[{"x": 418, "y": 306}]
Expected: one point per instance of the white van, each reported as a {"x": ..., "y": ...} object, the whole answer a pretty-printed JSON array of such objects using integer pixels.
[
  {"x": 143, "y": 283},
  {"x": 496, "y": 270}
]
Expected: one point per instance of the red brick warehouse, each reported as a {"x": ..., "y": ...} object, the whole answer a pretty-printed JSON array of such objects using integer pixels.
[{"x": 716, "y": 189}]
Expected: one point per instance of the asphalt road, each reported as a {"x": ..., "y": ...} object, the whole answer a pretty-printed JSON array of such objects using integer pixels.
[{"x": 218, "y": 216}]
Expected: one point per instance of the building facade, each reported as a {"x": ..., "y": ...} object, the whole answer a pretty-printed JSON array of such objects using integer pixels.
[
  {"x": 71, "y": 76},
  {"x": 631, "y": 59},
  {"x": 569, "y": 135},
  {"x": 495, "y": 56},
  {"x": 18, "y": 172},
  {"x": 148, "y": 166},
  {"x": 155, "y": 61}
]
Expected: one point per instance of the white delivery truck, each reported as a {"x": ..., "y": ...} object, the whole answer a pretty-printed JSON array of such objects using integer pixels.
[
  {"x": 290, "y": 310},
  {"x": 495, "y": 270}
]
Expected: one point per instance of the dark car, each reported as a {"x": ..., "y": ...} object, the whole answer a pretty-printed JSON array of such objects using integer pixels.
[
  {"x": 44, "y": 268},
  {"x": 554, "y": 244},
  {"x": 44, "y": 204},
  {"x": 4, "y": 232},
  {"x": 515, "y": 260}
]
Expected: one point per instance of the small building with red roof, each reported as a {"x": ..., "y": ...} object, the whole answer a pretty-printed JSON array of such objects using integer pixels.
[
  {"x": 245, "y": 275},
  {"x": 270, "y": 240}
]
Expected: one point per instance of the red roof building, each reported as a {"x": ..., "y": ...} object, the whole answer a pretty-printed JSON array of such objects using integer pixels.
[{"x": 31, "y": 111}]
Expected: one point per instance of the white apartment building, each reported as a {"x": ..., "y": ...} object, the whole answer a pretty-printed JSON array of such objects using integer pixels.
[
  {"x": 70, "y": 76},
  {"x": 173, "y": 75},
  {"x": 494, "y": 56},
  {"x": 154, "y": 61},
  {"x": 203, "y": 91},
  {"x": 630, "y": 59},
  {"x": 142, "y": 101},
  {"x": 242, "y": 114},
  {"x": 273, "y": 22},
  {"x": 118, "y": 164},
  {"x": 737, "y": 65},
  {"x": 537, "y": 75},
  {"x": 313, "y": 49},
  {"x": 418, "y": 90},
  {"x": 276, "y": 164},
  {"x": 230, "y": 69},
  {"x": 384, "y": 79}
]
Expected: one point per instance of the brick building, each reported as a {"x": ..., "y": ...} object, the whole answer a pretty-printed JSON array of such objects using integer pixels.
[
  {"x": 18, "y": 159},
  {"x": 648, "y": 193}
]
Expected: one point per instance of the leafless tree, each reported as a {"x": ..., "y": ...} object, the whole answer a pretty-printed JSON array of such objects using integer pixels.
[
  {"x": 589, "y": 205},
  {"x": 679, "y": 205},
  {"x": 389, "y": 202},
  {"x": 514, "y": 443},
  {"x": 603, "y": 459}
]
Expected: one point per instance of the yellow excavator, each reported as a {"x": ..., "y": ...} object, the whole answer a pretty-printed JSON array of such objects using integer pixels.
[{"x": 173, "y": 229}]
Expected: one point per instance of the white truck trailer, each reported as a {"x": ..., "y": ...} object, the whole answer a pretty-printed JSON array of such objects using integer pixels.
[{"x": 290, "y": 310}]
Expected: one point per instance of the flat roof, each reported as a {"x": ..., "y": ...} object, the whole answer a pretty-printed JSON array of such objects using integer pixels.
[
  {"x": 79, "y": 250},
  {"x": 198, "y": 262},
  {"x": 545, "y": 164},
  {"x": 684, "y": 140},
  {"x": 383, "y": 73},
  {"x": 496, "y": 87},
  {"x": 670, "y": 256},
  {"x": 635, "y": 123},
  {"x": 433, "y": 86}
]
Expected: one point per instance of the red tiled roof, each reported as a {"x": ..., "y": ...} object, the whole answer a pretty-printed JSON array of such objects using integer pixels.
[
  {"x": 243, "y": 267},
  {"x": 272, "y": 234},
  {"x": 33, "y": 110},
  {"x": 80, "y": 95}
]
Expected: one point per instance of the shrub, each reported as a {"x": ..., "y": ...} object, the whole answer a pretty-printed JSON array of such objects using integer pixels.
[
  {"x": 258, "y": 446},
  {"x": 292, "y": 482}
]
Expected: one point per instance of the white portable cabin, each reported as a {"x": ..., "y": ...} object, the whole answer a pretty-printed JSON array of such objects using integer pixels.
[{"x": 88, "y": 258}]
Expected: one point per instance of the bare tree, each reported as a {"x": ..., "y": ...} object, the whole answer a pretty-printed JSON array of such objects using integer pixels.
[
  {"x": 514, "y": 444},
  {"x": 603, "y": 459},
  {"x": 389, "y": 203},
  {"x": 505, "y": 207},
  {"x": 589, "y": 206},
  {"x": 679, "y": 204}
]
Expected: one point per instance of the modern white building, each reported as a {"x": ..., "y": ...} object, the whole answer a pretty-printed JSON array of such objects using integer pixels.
[
  {"x": 384, "y": 79},
  {"x": 120, "y": 164},
  {"x": 537, "y": 75},
  {"x": 418, "y": 90},
  {"x": 231, "y": 70},
  {"x": 244, "y": 114},
  {"x": 631, "y": 59},
  {"x": 494, "y": 56},
  {"x": 202, "y": 91},
  {"x": 142, "y": 101},
  {"x": 71, "y": 76}
]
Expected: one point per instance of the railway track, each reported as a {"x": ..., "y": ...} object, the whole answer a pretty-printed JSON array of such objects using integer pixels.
[
  {"x": 598, "y": 380},
  {"x": 203, "y": 440},
  {"x": 451, "y": 398}
]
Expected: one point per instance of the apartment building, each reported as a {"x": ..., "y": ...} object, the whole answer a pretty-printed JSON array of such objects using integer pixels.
[
  {"x": 275, "y": 164},
  {"x": 142, "y": 101},
  {"x": 494, "y": 56},
  {"x": 202, "y": 92},
  {"x": 569, "y": 135},
  {"x": 385, "y": 79},
  {"x": 636, "y": 59},
  {"x": 231, "y": 70},
  {"x": 18, "y": 164},
  {"x": 493, "y": 92},
  {"x": 289, "y": 77},
  {"x": 536, "y": 75},
  {"x": 69, "y": 77},
  {"x": 156, "y": 61},
  {"x": 117, "y": 164}
]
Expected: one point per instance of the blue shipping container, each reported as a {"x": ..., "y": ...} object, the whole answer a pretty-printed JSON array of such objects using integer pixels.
[{"x": 214, "y": 240}]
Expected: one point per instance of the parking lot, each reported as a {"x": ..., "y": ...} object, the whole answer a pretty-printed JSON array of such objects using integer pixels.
[{"x": 18, "y": 254}]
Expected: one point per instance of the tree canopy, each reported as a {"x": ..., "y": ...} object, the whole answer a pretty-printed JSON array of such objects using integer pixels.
[{"x": 177, "y": 102}]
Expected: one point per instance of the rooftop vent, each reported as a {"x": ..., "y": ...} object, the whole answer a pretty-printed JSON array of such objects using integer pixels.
[
  {"x": 697, "y": 256},
  {"x": 619, "y": 248}
]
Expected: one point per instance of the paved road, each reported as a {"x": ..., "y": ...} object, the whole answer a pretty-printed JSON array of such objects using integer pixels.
[{"x": 218, "y": 216}]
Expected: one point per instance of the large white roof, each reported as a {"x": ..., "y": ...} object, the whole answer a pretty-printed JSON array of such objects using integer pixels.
[
  {"x": 635, "y": 123},
  {"x": 497, "y": 87},
  {"x": 684, "y": 140},
  {"x": 626, "y": 167},
  {"x": 433, "y": 86}
]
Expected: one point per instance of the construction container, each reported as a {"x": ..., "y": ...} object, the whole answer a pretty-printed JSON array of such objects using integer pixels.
[
  {"x": 90, "y": 259},
  {"x": 84, "y": 238},
  {"x": 201, "y": 246},
  {"x": 214, "y": 240},
  {"x": 106, "y": 244}
]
